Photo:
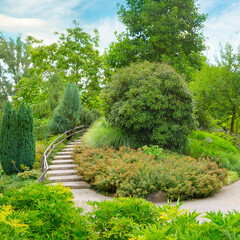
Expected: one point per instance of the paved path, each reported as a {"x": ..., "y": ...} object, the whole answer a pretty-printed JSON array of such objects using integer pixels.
[{"x": 226, "y": 199}]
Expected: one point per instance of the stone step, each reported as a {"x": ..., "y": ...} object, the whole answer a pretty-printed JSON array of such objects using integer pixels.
[
  {"x": 75, "y": 185},
  {"x": 73, "y": 143},
  {"x": 67, "y": 149},
  {"x": 64, "y": 153},
  {"x": 62, "y": 172},
  {"x": 63, "y": 167},
  {"x": 71, "y": 178},
  {"x": 63, "y": 157},
  {"x": 71, "y": 146},
  {"x": 62, "y": 161}
]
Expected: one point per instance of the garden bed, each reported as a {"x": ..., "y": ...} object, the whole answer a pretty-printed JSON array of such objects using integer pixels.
[{"x": 127, "y": 172}]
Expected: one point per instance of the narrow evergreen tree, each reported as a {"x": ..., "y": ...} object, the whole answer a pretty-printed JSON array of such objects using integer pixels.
[
  {"x": 8, "y": 143},
  {"x": 66, "y": 114},
  {"x": 26, "y": 141},
  {"x": 31, "y": 150}
]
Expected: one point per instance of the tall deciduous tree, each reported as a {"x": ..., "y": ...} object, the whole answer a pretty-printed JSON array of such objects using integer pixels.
[
  {"x": 74, "y": 56},
  {"x": 14, "y": 65},
  {"x": 159, "y": 31},
  {"x": 217, "y": 89}
]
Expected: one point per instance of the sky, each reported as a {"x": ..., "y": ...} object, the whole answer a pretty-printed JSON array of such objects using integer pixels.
[{"x": 41, "y": 18}]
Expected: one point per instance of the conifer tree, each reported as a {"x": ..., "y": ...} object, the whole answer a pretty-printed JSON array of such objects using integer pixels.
[
  {"x": 66, "y": 114},
  {"x": 8, "y": 144},
  {"x": 17, "y": 143},
  {"x": 26, "y": 141}
]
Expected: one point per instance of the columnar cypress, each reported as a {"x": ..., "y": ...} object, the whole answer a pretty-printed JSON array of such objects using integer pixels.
[
  {"x": 31, "y": 139},
  {"x": 26, "y": 141},
  {"x": 8, "y": 144},
  {"x": 66, "y": 114},
  {"x": 17, "y": 143}
]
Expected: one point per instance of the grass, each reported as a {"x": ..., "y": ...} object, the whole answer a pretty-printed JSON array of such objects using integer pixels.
[
  {"x": 12, "y": 182},
  {"x": 219, "y": 149},
  {"x": 101, "y": 134}
]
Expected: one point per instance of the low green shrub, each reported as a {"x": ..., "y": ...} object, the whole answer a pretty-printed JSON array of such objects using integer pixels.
[
  {"x": 231, "y": 177},
  {"x": 41, "y": 212},
  {"x": 136, "y": 219},
  {"x": 101, "y": 134},
  {"x": 87, "y": 117},
  {"x": 208, "y": 144},
  {"x": 129, "y": 172},
  {"x": 12, "y": 182},
  {"x": 154, "y": 150},
  {"x": 33, "y": 174},
  {"x": 118, "y": 218}
]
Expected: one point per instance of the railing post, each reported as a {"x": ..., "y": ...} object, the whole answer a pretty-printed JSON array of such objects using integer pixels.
[{"x": 43, "y": 163}]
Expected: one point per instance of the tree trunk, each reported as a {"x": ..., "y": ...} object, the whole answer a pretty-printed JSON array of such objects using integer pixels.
[{"x": 233, "y": 121}]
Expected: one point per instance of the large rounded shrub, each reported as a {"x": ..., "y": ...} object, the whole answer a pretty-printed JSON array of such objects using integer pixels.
[{"x": 152, "y": 103}]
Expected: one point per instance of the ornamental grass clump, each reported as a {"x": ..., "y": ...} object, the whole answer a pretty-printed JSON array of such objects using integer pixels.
[{"x": 128, "y": 172}]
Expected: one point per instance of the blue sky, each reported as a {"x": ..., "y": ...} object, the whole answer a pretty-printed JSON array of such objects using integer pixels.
[{"x": 40, "y": 18}]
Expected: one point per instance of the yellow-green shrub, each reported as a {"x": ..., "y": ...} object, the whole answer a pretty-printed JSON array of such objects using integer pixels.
[{"x": 42, "y": 212}]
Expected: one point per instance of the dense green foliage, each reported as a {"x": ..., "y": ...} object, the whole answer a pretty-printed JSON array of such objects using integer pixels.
[
  {"x": 159, "y": 31},
  {"x": 66, "y": 114},
  {"x": 39, "y": 212},
  {"x": 101, "y": 134},
  {"x": 47, "y": 212},
  {"x": 136, "y": 219},
  {"x": 129, "y": 172},
  {"x": 117, "y": 219},
  {"x": 220, "y": 150},
  {"x": 8, "y": 142},
  {"x": 70, "y": 112},
  {"x": 74, "y": 57},
  {"x": 25, "y": 137},
  {"x": 217, "y": 91},
  {"x": 17, "y": 139},
  {"x": 151, "y": 103},
  {"x": 87, "y": 117}
]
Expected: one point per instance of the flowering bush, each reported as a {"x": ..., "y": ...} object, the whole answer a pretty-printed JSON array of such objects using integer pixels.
[{"x": 129, "y": 172}]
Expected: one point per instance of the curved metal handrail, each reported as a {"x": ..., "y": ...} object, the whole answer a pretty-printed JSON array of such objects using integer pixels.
[{"x": 53, "y": 144}]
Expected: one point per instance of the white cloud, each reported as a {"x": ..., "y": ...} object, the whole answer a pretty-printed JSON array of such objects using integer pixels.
[
  {"x": 12, "y": 24},
  {"x": 223, "y": 28},
  {"x": 43, "y": 8},
  {"x": 106, "y": 27}
]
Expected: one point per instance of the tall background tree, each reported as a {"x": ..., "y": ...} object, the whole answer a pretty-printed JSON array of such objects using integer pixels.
[
  {"x": 217, "y": 91},
  {"x": 74, "y": 57},
  {"x": 164, "y": 31},
  {"x": 14, "y": 65}
]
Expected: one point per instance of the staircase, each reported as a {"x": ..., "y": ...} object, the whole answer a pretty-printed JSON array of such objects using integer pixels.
[{"x": 62, "y": 170}]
